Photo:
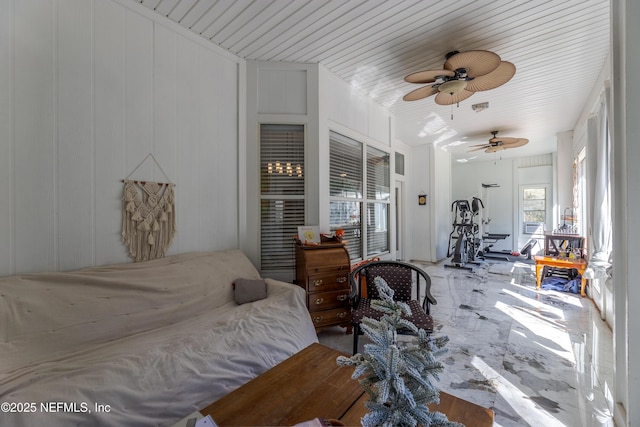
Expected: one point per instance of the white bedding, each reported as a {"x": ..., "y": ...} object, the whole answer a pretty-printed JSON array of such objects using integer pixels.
[{"x": 205, "y": 347}]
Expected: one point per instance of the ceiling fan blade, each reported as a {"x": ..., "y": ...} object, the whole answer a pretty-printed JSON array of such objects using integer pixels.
[
  {"x": 505, "y": 71},
  {"x": 422, "y": 92},
  {"x": 444, "y": 98},
  {"x": 478, "y": 149},
  {"x": 477, "y": 62},
  {"x": 481, "y": 145},
  {"x": 518, "y": 142},
  {"x": 427, "y": 76},
  {"x": 506, "y": 140}
]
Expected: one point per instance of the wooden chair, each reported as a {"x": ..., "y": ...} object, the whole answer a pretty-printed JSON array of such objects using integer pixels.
[{"x": 400, "y": 277}]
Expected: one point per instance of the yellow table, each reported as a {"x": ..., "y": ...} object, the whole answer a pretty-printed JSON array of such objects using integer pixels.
[{"x": 579, "y": 264}]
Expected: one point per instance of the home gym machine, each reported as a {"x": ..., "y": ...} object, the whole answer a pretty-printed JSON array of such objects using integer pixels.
[
  {"x": 464, "y": 244},
  {"x": 505, "y": 255},
  {"x": 490, "y": 239}
]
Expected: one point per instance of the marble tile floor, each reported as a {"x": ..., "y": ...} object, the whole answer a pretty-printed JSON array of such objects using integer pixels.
[{"x": 536, "y": 357}]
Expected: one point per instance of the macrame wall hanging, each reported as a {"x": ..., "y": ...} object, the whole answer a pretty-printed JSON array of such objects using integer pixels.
[{"x": 148, "y": 216}]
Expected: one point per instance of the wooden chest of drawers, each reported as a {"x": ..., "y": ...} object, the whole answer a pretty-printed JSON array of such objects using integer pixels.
[{"x": 323, "y": 272}]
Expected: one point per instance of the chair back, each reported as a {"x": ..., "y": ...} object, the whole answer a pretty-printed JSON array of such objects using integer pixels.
[{"x": 400, "y": 277}]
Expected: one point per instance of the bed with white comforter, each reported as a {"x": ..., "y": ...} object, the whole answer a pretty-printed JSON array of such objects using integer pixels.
[{"x": 140, "y": 344}]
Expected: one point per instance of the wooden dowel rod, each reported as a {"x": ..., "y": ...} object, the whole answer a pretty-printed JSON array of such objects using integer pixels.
[{"x": 144, "y": 182}]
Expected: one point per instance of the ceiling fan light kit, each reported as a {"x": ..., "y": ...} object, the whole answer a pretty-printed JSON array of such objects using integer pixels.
[
  {"x": 452, "y": 87},
  {"x": 463, "y": 74}
]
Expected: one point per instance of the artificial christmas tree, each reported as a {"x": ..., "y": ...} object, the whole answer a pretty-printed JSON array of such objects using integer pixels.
[{"x": 400, "y": 380}]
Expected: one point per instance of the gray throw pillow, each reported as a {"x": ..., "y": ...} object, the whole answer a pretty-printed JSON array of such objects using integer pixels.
[{"x": 248, "y": 290}]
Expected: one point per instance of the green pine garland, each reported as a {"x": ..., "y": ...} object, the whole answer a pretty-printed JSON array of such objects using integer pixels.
[{"x": 400, "y": 380}]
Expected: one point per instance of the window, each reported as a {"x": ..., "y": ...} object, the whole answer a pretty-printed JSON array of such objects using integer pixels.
[
  {"x": 378, "y": 199},
  {"x": 350, "y": 210},
  {"x": 400, "y": 163},
  {"x": 345, "y": 190},
  {"x": 581, "y": 189},
  {"x": 281, "y": 193},
  {"x": 534, "y": 205}
]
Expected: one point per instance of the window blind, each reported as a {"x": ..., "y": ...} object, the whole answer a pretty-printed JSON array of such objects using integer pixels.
[
  {"x": 347, "y": 216},
  {"x": 345, "y": 167},
  {"x": 346, "y": 190},
  {"x": 279, "y": 224},
  {"x": 282, "y": 207},
  {"x": 377, "y": 174},
  {"x": 378, "y": 200},
  {"x": 282, "y": 159}
]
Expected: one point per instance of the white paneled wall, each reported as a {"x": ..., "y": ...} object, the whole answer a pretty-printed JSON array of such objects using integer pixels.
[
  {"x": 34, "y": 136},
  {"x": 348, "y": 106},
  {"x": 87, "y": 90},
  {"x": 440, "y": 193},
  {"x": 421, "y": 237},
  {"x": 6, "y": 138}
]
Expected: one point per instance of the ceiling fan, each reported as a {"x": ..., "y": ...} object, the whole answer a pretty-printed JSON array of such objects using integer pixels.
[
  {"x": 463, "y": 74},
  {"x": 497, "y": 144}
]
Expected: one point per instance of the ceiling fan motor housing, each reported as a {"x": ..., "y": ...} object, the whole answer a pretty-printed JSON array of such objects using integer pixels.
[{"x": 461, "y": 73}]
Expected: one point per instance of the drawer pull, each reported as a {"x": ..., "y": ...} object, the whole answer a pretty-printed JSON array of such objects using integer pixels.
[
  {"x": 319, "y": 301},
  {"x": 341, "y": 279},
  {"x": 317, "y": 282},
  {"x": 317, "y": 319},
  {"x": 342, "y": 297},
  {"x": 341, "y": 315}
]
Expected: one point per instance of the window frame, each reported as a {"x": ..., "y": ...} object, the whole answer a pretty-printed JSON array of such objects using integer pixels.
[
  {"x": 378, "y": 201},
  {"x": 281, "y": 256},
  {"x": 543, "y": 199},
  {"x": 369, "y": 202},
  {"x": 546, "y": 224}
]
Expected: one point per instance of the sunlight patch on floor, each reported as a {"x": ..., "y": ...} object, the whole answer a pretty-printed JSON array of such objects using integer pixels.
[
  {"x": 526, "y": 408},
  {"x": 536, "y": 304},
  {"x": 541, "y": 331}
]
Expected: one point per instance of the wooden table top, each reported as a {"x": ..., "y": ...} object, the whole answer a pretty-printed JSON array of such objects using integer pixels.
[
  {"x": 540, "y": 259},
  {"x": 456, "y": 409},
  {"x": 308, "y": 385},
  {"x": 311, "y": 385}
]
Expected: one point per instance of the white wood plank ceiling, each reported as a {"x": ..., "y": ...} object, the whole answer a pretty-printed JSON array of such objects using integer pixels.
[{"x": 558, "y": 47}]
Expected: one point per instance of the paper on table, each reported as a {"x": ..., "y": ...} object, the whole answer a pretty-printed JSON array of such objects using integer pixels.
[
  {"x": 206, "y": 422},
  {"x": 184, "y": 422}
]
